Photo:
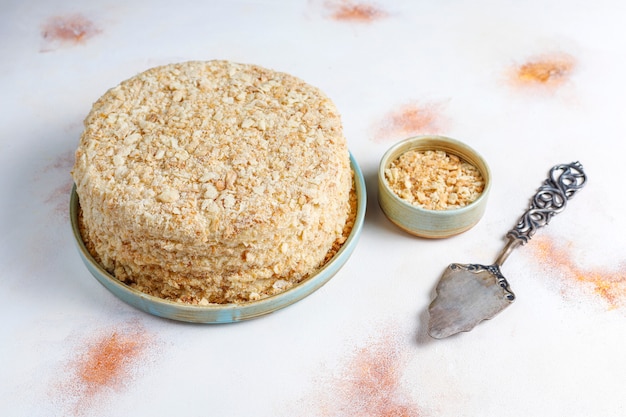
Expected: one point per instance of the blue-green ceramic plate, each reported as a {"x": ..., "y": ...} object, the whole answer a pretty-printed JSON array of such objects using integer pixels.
[{"x": 224, "y": 313}]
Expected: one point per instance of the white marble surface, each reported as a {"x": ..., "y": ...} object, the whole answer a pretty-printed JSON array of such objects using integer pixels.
[{"x": 356, "y": 347}]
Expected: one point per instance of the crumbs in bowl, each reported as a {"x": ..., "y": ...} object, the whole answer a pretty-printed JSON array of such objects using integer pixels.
[{"x": 434, "y": 179}]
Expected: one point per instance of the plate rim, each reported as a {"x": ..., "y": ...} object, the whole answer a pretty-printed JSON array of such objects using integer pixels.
[{"x": 225, "y": 313}]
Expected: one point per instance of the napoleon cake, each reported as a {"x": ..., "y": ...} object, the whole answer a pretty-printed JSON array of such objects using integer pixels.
[{"x": 213, "y": 182}]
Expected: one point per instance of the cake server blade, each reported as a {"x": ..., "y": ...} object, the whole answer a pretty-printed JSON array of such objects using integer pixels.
[
  {"x": 466, "y": 295},
  {"x": 470, "y": 293}
]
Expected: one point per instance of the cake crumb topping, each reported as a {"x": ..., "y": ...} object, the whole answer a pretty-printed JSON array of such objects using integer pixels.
[
  {"x": 434, "y": 179},
  {"x": 213, "y": 182}
]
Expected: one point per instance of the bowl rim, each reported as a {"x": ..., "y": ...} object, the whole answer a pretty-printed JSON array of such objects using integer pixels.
[
  {"x": 385, "y": 160},
  {"x": 231, "y": 312}
]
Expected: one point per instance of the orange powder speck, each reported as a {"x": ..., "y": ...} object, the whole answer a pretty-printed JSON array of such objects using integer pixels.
[
  {"x": 607, "y": 285},
  {"x": 409, "y": 119},
  {"x": 346, "y": 11},
  {"x": 107, "y": 360},
  {"x": 551, "y": 71}
]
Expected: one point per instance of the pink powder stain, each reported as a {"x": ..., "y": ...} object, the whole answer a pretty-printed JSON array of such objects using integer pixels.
[
  {"x": 370, "y": 383},
  {"x": 58, "y": 198},
  {"x": 63, "y": 162},
  {"x": 409, "y": 120},
  {"x": 71, "y": 29},
  {"x": 103, "y": 363},
  {"x": 356, "y": 12}
]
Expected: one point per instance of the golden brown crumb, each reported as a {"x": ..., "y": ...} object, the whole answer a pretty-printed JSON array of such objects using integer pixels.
[{"x": 434, "y": 179}]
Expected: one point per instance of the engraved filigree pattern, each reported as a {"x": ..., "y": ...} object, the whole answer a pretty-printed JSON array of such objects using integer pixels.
[
  {"x": 551, "y": 198},
  {"x": 494, "y": 270}
]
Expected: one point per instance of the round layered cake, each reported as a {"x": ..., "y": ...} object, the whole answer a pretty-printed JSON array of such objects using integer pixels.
[{"x": 213, "y": 182}]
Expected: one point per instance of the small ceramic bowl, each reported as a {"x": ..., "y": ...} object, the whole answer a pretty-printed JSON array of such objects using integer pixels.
[
  {"x": 224, "y": 313},
  {"x": 432, "y": 223}
]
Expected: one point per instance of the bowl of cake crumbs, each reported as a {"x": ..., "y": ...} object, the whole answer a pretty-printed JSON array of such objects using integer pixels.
[{"x": 433, "y": 186}]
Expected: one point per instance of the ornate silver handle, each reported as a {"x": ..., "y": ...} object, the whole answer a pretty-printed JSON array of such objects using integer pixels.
[{"x": 551, "y": 198}]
